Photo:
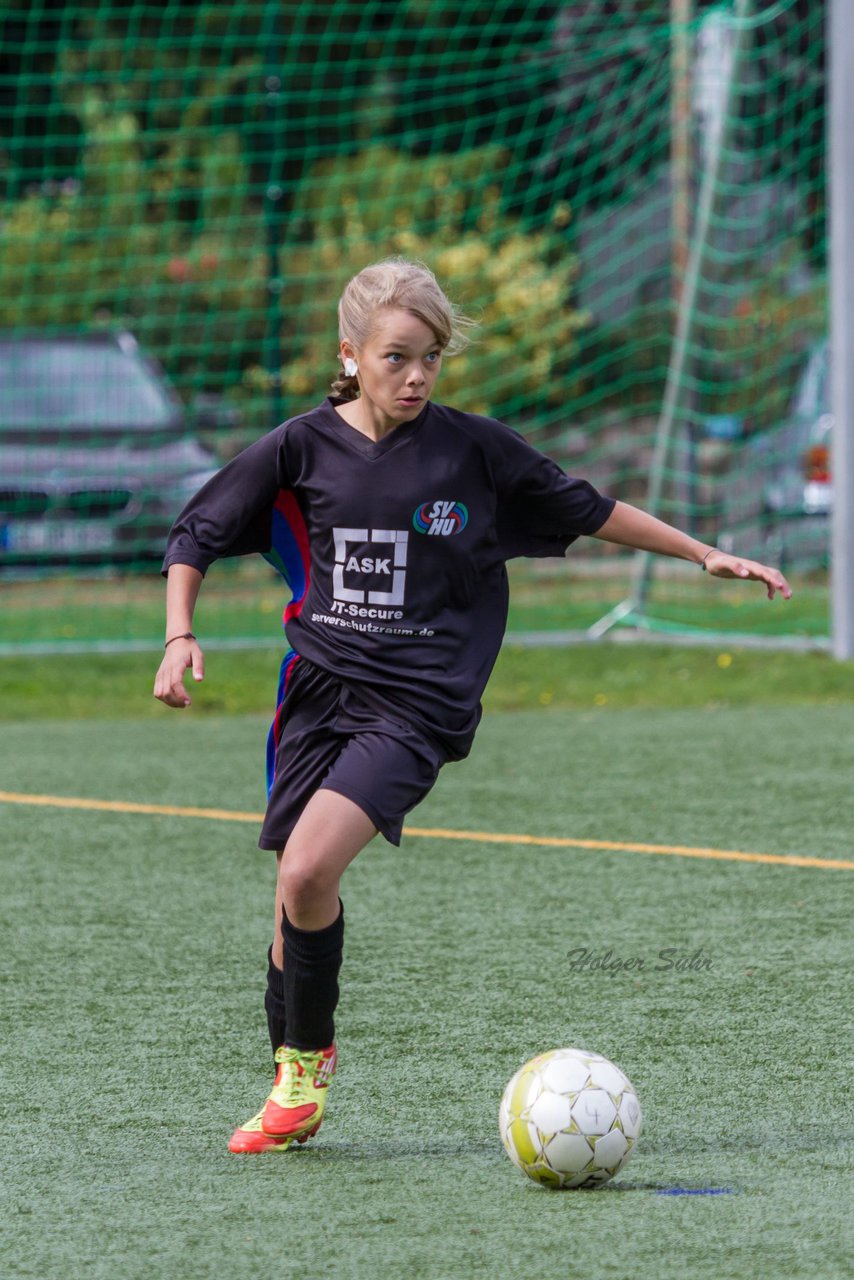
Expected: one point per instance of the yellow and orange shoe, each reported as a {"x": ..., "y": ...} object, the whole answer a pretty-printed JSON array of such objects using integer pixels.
[
  {"x": 296, "y": 1104},
  {"x": 250, "y": 1138}
]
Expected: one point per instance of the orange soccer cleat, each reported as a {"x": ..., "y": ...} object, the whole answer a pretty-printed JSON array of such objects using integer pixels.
[{"x": 296, "y": 1104}]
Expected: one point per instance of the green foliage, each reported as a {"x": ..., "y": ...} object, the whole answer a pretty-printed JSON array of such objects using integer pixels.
[
  {"x": 105, "y": 253},
  {"x": 749, "y": 360},
  {"x": 444, "y": 211},
  {"x": 110, "y": 250},
  {"x": 743, "y": 357}
]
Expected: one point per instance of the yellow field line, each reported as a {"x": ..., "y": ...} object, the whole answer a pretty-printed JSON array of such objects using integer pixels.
[
  {"x": 625, "y": 846},
  {"x": 438, "y": 833},
  {"x": 127, "y": 806}
]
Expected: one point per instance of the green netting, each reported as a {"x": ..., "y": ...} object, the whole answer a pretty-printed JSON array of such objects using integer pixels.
[{"x": 187, "y": 186}]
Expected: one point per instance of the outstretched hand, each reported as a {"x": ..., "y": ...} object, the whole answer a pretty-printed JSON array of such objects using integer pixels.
[
  {"x": 169, "y": 682},
  {"x": 722, "y": 565}
]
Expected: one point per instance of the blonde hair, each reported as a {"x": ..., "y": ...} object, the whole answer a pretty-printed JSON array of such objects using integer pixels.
[{"x": 396, "y": 282}]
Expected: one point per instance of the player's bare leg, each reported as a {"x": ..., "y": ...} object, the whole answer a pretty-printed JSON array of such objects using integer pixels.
[{"x": 331, "y": 831}]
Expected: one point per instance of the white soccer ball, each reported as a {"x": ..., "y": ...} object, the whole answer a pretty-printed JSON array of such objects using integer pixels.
[{"x": 570, "y": 1118}]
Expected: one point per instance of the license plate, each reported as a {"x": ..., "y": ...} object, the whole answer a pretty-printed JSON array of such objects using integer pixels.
[{"x": 56, "y": 535}]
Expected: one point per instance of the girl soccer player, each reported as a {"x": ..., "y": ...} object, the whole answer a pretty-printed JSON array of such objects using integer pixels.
[{"x": 391, "y": 518}]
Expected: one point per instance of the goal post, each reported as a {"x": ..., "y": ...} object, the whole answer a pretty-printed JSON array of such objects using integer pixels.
[{"x": 841, "y": 183}]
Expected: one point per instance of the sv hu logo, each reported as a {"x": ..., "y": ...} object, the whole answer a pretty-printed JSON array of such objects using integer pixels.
[{"x": 441, "y": 518}]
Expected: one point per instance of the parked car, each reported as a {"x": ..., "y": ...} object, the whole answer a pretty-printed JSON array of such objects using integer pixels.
[
  {"x": 779, "y": 499},
  {"x": 802, "y": 486},
  {"x": 97, "y": 454}
]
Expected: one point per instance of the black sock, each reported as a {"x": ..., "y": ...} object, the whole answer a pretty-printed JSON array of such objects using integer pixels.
[
  {"x": 312, "y": 962},
  {"x": 274, "y": 1003}
]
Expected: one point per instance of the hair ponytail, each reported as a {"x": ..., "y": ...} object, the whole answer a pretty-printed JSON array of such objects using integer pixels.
[{"x": 346, "y": 387}]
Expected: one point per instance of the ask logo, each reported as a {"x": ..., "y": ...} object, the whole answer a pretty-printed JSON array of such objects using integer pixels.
[
  {"x": 441, "y": 518},
  {"x": 370, "y": 566}
]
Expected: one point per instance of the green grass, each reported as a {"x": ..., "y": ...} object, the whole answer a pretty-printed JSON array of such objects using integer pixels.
[
  {"x": 245, "y": 599},
  {"x": 600, "y": 677},
  {"x": 134, "y": 1035}
]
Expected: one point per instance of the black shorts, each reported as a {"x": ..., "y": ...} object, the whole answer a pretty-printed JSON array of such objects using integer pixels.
[{"x": 325, "y": 737}]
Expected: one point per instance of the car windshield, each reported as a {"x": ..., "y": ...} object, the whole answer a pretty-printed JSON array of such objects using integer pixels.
[{"x": 70, "y": 384}]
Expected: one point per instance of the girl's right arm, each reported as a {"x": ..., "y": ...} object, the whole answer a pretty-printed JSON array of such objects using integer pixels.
[
  {"x": 182, "y": 590},
  {"x": 230, "y": 515}
]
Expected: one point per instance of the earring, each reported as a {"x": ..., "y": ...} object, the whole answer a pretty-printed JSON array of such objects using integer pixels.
[{"x": 350, "y": 367}]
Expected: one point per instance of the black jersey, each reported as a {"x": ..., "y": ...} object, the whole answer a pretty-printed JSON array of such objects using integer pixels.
[{"x": 394, "y": 550}]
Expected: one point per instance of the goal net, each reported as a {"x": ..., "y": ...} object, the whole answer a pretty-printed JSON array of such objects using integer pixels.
[{"x": 628, "y": 195}]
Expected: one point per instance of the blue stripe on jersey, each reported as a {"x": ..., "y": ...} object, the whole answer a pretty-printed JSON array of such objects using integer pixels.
[
  {"x": 276, "y": 728},
  {"x": 287, "y": 550}
]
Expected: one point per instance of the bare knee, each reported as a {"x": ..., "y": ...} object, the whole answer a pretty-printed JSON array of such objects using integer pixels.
[
  {"x": 305, "y": 883},
  {"x": 326, "y": 839}
]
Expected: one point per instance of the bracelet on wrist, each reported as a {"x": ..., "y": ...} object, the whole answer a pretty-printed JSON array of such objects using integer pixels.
[
  {"x": 187, "y": 635},
  {"x": 705, "y": 558}
]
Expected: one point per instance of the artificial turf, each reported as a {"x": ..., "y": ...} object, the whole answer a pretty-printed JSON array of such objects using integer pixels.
[{"x": 134, "y": 1035}]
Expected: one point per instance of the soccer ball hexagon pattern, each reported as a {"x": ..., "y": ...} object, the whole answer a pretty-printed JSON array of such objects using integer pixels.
[{"x": 570, "y": 1118}]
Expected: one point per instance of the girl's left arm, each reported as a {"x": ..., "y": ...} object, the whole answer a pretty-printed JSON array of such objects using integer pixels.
[{"x": 630, "y": 527}]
